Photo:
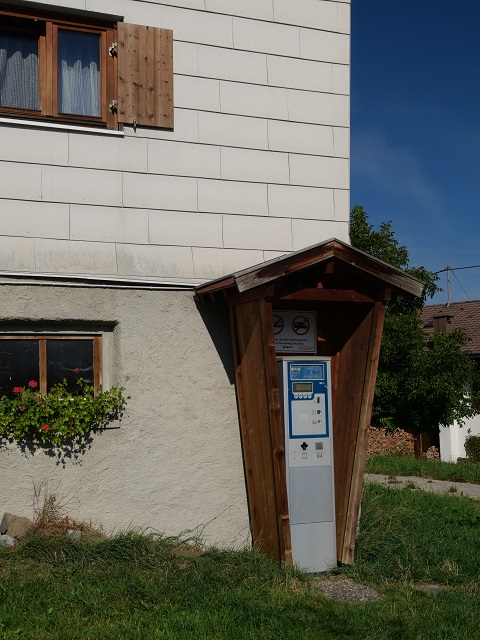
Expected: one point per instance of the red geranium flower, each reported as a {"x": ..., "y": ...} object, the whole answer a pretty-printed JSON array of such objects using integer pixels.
[
  {"x": 33, "y": 384},
  {"x": 17, "y": 389},
  {"x": 22, "y": 408},
  {"x": 45, "y": 427},
  {"x": 76, "y": 370}
]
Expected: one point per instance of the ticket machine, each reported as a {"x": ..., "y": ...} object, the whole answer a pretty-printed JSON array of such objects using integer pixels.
[{"x": 305, "y": 387}]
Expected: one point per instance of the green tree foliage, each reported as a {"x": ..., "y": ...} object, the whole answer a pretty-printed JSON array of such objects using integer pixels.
[
  {"x": 421, "y": 378},
  {"x": 472, "y": 448}
]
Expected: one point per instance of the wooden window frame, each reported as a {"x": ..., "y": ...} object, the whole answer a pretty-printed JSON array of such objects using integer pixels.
[
  {"x": 42, "y": 364},
  {"x": 45, "y": 27}
]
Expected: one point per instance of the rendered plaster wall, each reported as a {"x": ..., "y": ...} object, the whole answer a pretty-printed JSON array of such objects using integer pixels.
[
  {"x": 175, "y": 463},
  {"x": 257, "y": 165}
]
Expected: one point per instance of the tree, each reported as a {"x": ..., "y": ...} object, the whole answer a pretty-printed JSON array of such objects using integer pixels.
[{"x": 421, "y": 378}]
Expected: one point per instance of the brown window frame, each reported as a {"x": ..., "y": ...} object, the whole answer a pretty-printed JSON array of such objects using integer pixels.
[
  {"x": 44, "y": 26},
  {"x": 42, "y": 364}
]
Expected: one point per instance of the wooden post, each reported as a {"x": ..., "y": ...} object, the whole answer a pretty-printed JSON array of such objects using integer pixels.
[{"x": 346, "y": 553}]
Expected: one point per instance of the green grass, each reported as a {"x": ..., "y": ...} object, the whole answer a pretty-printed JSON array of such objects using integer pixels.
[
  {"x": 140, "y": 587},
  {"x": 403, "y": 465}
]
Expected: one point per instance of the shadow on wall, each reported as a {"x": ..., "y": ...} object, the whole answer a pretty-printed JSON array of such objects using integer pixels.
[
  {"x": 71, "y": 450},
  {"x": 217, "y": 322}
]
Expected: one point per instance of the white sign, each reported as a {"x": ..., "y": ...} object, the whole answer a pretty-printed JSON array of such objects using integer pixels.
[{"x": 295, "y": 331}]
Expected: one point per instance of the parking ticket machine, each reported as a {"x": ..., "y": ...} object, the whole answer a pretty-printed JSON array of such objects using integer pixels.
[{"x": 305, "y": 386}]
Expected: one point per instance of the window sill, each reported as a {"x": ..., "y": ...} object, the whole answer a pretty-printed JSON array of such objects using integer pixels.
[{"x": 63, "y": 127}]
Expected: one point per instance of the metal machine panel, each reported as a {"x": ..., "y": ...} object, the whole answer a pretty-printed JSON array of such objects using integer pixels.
[
  {"x": 306, "y": 390},
  {"x": 311, "y": 495},
  {"x": 314, "y": 546}
]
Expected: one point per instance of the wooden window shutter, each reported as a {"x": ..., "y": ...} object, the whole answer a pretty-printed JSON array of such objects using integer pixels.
[{"x": 145, "y": 75}]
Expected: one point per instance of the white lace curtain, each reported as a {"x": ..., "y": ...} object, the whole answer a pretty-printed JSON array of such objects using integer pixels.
[
  {"x": 78, "y": 73},
  {"x": 19, "y": 73}
]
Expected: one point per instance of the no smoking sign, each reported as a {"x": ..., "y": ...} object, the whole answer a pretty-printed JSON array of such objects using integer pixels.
[
  {"x": 294, "y": 331},
  {"x": 300, "y": 325}
]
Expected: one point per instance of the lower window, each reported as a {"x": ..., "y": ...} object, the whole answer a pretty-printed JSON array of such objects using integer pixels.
[{"x": 43, "y": 361}]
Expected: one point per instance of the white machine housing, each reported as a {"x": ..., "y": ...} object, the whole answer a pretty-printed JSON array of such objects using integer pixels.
[{"x": 305, "y": 386}]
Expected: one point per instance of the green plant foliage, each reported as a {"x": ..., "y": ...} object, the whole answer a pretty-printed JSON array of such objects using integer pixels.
[
  {"x": 383, "y": 245},
  {"x": 464, "y": 520},
  {"x": 418, "y": 536},
  {"x": 134, "y": 586},
  {"x": 472, "y": 448},
  {"x": 50, "y": 418},
  {"x": 421, "y": 378}
]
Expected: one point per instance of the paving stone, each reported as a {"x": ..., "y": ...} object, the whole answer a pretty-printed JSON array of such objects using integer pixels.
[
  {"x": 430, "y": 589},
  {"x": 347, "y": 590}
]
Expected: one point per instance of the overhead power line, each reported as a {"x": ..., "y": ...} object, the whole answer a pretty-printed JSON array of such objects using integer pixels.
[
  {"x": 461, "y": 286},
  {"x": 448, "y": 268}
]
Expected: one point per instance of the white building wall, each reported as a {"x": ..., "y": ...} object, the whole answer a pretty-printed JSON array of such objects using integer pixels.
[
  {"x": 452, "y": 439},
  {"x": 257, "y": 165}
]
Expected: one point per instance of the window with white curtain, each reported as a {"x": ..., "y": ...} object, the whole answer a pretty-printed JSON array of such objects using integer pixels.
[
  {"x": 57, "y": 68},
  {"x": 19, "y": 72},
  {"x": 78, "y": 73}
]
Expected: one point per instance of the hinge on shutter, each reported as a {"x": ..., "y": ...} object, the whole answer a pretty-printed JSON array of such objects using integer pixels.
[
  {"x": 112, "y": 107},
  {"x": 112, "y": 49},
  {"x": 134, "y": 123}
]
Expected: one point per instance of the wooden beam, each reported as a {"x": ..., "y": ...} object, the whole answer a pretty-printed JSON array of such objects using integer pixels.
[
  {"x": 353, "y": 510},
  {"x": 217, "y": 285},
  {"x": 259, "y": 293},
  {"x": 327, "y": 295},
  {"x": 254, "y": 393},
  {"x": 364, "y": 265},
  {"x": 386, "y": 295},
  {"x": 276, "y": 435},
  {"x": 287, "y": 266}
]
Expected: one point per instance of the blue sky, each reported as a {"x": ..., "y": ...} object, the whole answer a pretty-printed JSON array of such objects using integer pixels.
[{"x": 415, "y": 129}]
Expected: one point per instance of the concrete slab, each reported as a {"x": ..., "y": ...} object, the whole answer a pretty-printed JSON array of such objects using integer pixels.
[{"x": 426, "y": 484}]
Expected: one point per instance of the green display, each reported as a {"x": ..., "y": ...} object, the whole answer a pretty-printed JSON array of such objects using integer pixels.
[{"x": 302, "y": 387}]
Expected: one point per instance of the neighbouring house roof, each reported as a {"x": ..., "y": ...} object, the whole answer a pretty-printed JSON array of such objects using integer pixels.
[{"x": 465, "y": 315}]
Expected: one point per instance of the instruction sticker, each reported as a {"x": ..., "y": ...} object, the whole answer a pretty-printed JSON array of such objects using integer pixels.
[{"x": 295, "y": 331}]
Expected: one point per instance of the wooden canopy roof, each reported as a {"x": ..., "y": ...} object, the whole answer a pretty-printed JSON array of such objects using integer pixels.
[{"x": 329, "y": 265}]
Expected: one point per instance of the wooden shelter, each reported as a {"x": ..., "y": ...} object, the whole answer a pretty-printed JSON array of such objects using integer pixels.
[{"x": 348, "y": 290}]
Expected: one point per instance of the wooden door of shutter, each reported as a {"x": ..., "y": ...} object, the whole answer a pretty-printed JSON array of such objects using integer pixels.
[{"x": 145, "y": 75}]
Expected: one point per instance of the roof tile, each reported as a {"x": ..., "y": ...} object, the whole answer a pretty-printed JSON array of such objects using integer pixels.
[{"x": 462, "y": 314}]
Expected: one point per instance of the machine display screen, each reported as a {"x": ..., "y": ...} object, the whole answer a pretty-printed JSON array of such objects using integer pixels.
[
  {"x": 301, "y": 387},
  {"x": 299, "y": 371}
]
